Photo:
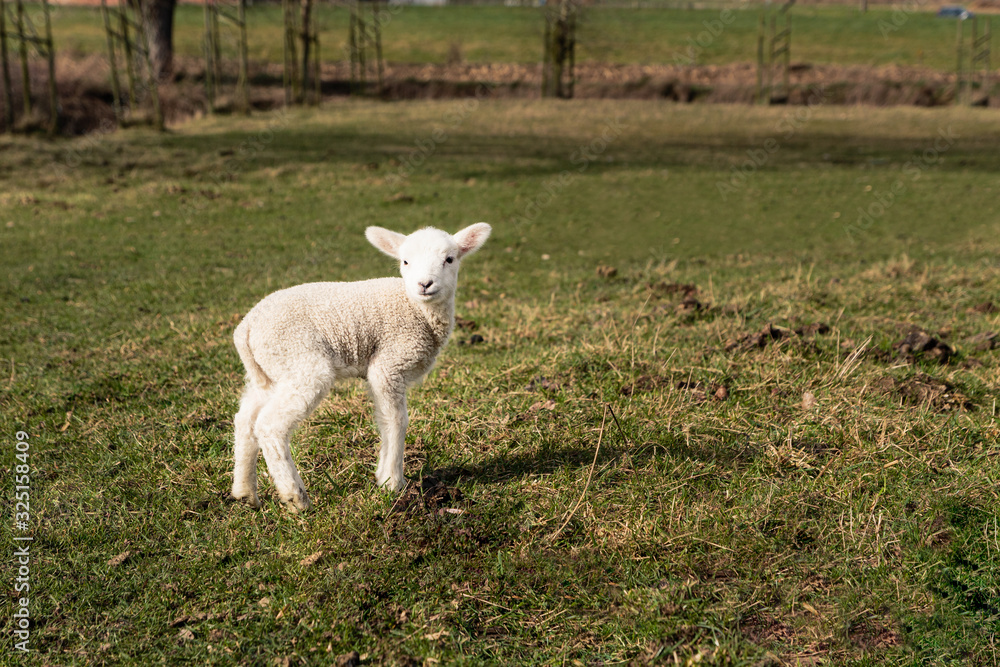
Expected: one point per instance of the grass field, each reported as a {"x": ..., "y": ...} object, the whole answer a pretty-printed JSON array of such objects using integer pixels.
[
  {"x": 620, "y": 36},
  {"x": 648, "y": 465}
]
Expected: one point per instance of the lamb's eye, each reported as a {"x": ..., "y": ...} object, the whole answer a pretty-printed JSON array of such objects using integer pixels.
[
  {"x": 405, "y": 263},
  {"x": 450, "y": 260}
]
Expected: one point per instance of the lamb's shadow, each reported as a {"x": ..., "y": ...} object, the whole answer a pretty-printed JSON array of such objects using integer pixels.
[{"x": 732, "y": 452}]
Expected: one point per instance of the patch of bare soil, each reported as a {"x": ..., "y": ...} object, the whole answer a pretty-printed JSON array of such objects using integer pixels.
[
  {"x": 683, "y": 300},
  {"x": 429, "y": 497},
  {"x": 925, "y": 391},
  {"x": 699, "y": 392},
  {"x": 920, "y": 344},
  {"x": 775, "y": 334},
  {"x": 871, "y": 634},
  {"x": 763, "y": 629},
  {"x": 85, "y": 99}
]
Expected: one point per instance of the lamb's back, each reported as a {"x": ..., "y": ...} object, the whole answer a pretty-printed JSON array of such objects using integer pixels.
[{"x": 347, "y": 323}]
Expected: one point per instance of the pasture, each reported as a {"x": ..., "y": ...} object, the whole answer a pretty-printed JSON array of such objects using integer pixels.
[
  {"x": 419, "y": 35},
  {"x": 685, "y": 418}
]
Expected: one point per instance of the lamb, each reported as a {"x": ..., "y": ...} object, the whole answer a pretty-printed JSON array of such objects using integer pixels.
[{"x": 297, "y": 342}]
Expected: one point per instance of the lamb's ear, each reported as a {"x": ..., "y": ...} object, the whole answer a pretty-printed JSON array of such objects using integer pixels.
[
  {"x": 385, "y": 240},
  {"x": 472, "y": 238}
]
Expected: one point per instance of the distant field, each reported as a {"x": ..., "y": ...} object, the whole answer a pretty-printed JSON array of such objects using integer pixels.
[
  {"x": 838, "y": 35},
  {"x": 645, "y": 463}
]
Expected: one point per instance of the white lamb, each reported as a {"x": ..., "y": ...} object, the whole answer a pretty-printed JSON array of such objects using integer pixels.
[{"x": 297, "y": 342}]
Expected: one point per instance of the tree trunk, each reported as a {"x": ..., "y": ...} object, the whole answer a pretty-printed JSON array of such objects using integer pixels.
[
  {"x": 306, "y": 43},
  {"x": 160, "y": 17}
]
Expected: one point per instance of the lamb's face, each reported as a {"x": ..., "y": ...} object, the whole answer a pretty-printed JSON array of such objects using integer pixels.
[
  {"x": 428, "y": 262},
  {"x": 429, "y": 258}
]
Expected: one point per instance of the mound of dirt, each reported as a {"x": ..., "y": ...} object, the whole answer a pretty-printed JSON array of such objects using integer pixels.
[
  {"x": 430, "y": 497},
  {"x": 773, "y": 334},
  {"x": 925, "y": 391},
  {"x": 920, "y": 344}
]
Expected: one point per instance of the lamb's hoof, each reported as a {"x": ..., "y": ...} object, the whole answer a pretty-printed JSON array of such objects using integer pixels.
[
  {"x": 393, "y": 484},
  {"x": 250, "y": 498},
  {"x": 297, "y": 504}
]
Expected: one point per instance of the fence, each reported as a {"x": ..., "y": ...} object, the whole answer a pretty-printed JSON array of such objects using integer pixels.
[
  {"x": 122, "y": 26},
  {"x": 977, "y": 74},
  {"x": 364, "y": 45},
  {"x": 233, "y": 14},
  {"x": 132, "y": 76},
  {"x": 559, "y": 60},
  {"x": 774, "y": 46},
  {"x": 26, "y": 35}
]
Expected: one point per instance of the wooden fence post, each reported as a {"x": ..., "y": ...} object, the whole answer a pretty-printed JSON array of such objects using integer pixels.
[
  {"x": 116, "y": 92},
  {"x": 8, "y": 104},
  {"x": 51, "y": 52}
]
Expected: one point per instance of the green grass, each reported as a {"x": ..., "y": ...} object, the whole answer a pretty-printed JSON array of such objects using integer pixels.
[
  {"x": 740, "y": 527},
  {"x": 838, "y": 35}
]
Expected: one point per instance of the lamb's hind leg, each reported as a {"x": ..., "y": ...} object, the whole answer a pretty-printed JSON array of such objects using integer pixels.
[
  {"x": 288, "y": 405},
  {"x": 246, "y": 446}
]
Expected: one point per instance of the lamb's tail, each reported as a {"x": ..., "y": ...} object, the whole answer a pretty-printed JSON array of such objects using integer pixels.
[{"x": 255, "y": 374}]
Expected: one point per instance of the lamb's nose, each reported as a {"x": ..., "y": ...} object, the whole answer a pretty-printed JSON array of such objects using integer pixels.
[{"x": 426, "y": 285}]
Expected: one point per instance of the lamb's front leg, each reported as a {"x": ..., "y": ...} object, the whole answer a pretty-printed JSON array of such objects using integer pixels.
[{"x": 391, "y": 417}]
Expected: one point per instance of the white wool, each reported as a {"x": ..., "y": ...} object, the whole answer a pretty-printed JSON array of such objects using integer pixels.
[{"x": 297, "y": 342}]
